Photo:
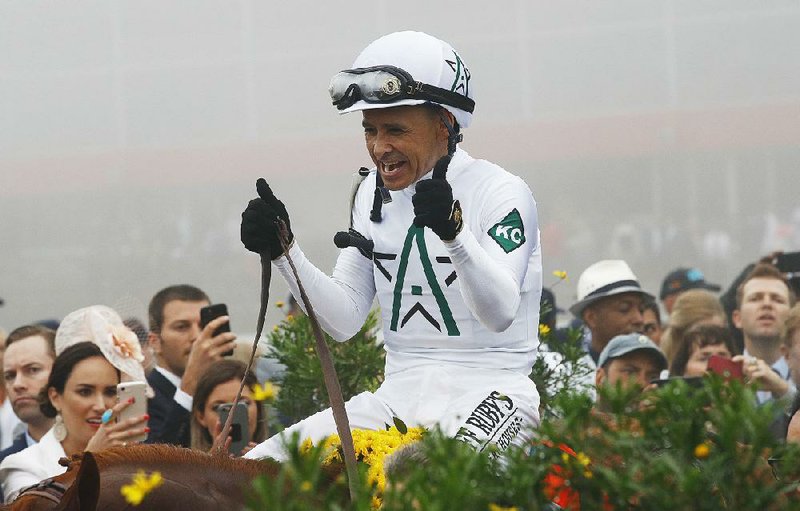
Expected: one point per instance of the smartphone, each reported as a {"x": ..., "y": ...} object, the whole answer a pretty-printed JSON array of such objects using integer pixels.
[
  {"x": 240, "y": 434},
  {"x": 135, "y": 390},
  {"x": 211, "y": 312},
  {"x": 788, "y": 262},
  {"x": 725, "y": 367}
]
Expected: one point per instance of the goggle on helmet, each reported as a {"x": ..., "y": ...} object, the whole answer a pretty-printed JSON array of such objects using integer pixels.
[{"x": 389, "y": 84}]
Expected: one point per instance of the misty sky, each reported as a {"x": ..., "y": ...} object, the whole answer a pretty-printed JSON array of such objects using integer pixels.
[{"x": 666, "y": 133}]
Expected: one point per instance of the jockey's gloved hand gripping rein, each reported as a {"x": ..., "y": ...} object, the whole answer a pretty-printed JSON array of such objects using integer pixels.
[
  {"x": 434, "y": 206},
  {"x": 260, "y": 222}
]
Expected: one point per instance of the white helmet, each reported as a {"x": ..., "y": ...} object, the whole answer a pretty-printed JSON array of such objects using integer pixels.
[{"x": 406, "y": 68}]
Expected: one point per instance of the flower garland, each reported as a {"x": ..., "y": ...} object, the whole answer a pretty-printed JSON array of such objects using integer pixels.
[{"x": 371, "y": 447}]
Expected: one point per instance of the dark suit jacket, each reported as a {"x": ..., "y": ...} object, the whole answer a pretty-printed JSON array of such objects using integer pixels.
[
  {"x": 169, "y": 422},
  {"x": 20, "y": 443}
]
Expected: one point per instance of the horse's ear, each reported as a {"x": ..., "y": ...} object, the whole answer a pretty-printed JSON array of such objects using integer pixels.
[{"x": 85, "y": 489}]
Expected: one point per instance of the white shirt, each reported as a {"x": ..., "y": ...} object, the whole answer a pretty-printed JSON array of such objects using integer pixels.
[
  {"x": 10, "y": 425},
  {"x": 31, "y": 465},
  {"x": 180, "y": 397}
]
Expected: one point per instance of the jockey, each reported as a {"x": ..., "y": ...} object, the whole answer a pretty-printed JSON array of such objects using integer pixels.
[{"x": 447, "y": 243}]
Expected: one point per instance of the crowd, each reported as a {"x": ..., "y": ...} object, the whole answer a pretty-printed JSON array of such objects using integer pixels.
[
  {"x": 753, "y": 338},
  {"x": 449, "y": 247}
]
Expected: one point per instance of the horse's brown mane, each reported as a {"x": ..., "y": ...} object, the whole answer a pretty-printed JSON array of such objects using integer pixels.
[{"x": 149, "y": 455}]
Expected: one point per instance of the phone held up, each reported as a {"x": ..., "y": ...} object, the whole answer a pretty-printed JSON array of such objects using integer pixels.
[
  {"x": 211, "y": 312},
  {"x": 136, "y": 390},
  {"x": 725, "y": 367},
  {"x": 239, "y": 433}
]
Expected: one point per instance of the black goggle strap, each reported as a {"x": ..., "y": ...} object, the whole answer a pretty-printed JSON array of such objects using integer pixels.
[
  {"x": 382, "y": 197},
  {"x": 409, "y": 89}
]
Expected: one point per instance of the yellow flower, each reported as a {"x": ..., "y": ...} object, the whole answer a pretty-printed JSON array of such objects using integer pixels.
[
  {"x": 275, "y": 328},
  {"x": 279, "y": 304},
  {"x": 495, "y": 507},
  {"x": 561, "y": 274},
  {"x": 543, "y": 330},
  {"x": 265, "y": 393},
  {"x": 583, "y": 459},
  {"x": 140, "y": 486},
  {"x": 372, "y": 447},
  {"x": 305, "y": 486},
  {"x": 702, "y": 451}
]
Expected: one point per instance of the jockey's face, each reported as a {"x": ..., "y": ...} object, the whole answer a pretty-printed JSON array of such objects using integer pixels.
[
  {"x": 90, "y": 389},
  {"x": 180, "y": 329},
  {"x": 405, "y": 142},
  {"x": 226, "y": 393}
]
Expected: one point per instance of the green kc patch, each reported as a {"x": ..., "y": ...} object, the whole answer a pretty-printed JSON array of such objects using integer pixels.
[{"x": 509, "y": 232}]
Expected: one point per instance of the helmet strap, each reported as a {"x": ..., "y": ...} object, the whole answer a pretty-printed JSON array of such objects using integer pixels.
[
  {"x": 453, "y": 137},
  {"x": 381, "y": 197}
]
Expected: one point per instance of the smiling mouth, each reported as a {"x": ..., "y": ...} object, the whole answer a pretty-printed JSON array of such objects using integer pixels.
[{"x": 390, "y": 168}]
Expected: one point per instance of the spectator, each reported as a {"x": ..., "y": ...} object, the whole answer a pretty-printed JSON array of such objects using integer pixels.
[
  {"x": 183, "y": 352},
  {"x": 763, "y": 301},
  {"x": 30, "y": 351},
  {"x": 651, "y": 321},
  {"x": 81, "y": 387},
  {"x": 609, "y": 304},
  {"x": 697, "y": 345},
  {"x": 630, "y": 359},
  {"x": 694, "y": 307},
  {"x": 217, "y": 386},
  {"x": 10, "y": 425},
  {"x": 679, "y": 281},
  {"x": 790, "y": 336}
]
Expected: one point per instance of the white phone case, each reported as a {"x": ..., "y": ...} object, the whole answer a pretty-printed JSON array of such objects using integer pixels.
[{"x": 136, "y": 390}]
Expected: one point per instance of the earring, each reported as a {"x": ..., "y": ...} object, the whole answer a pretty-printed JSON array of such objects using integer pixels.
[{"x": 59, "y": 429}]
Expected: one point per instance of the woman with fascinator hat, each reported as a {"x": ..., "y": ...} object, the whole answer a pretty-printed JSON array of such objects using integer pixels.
[{"x": 95, "y": 351}]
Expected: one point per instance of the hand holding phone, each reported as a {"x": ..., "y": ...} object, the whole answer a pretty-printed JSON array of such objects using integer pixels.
[
  {"x": 239, "y": 433},
  {"x": 211, "y": 312},
  {"x": 726, "y": 367},
  {"x": 135, "y": 390}
]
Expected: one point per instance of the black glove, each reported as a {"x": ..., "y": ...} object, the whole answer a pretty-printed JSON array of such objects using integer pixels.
[
  {"x": 434, "y": 206},
  {"x": 260, "y": 222}
]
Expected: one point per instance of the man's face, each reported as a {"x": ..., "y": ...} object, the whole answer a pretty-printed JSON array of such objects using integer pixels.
[
  {"x": 26, "y": 367},
  {"x": 765, "y": 305},
  {"x": 651, "y": 327},
  {"x": 180, "y": 329},
  {"x": 614, "y": 315},
  {"x": 405, "y": 142},
  {"x": 635, "y": 368}
]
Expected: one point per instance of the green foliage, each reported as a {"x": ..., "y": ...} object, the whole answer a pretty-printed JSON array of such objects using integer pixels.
[
  {"x": 359, "y": 364},
  {"x": 674, "y": 448}
]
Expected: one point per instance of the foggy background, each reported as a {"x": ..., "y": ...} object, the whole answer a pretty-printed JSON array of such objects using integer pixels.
[{"x": 666, "y": 133}]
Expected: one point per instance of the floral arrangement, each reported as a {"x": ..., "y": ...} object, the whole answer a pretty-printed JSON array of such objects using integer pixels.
[{"x": 371, "y": 447}]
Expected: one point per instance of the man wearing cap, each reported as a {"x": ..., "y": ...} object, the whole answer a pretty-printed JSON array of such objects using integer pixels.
[
  {"x": 680, "y": 280},
  {"x": 448, "y": 244},
  {"x": 631, "y": 359}
]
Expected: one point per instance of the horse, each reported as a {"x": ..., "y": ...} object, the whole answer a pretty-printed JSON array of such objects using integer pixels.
[{"x": 191, "y": 480}]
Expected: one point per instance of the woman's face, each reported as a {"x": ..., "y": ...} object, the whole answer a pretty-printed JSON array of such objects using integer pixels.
[
  {"x": 90, "y": 389},
  {"x": 698, "y": 361},
  {"x": 226, "y": 393}
]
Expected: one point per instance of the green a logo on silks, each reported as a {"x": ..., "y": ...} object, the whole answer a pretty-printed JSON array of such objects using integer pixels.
[{"x": 509, "y": 232}]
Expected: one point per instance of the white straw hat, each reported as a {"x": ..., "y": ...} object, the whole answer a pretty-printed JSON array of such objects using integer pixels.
[{"x": 605, "y": 278}]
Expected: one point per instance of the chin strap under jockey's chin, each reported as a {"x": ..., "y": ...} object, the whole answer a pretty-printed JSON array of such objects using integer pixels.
[{"x": 382, "y": 195}]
